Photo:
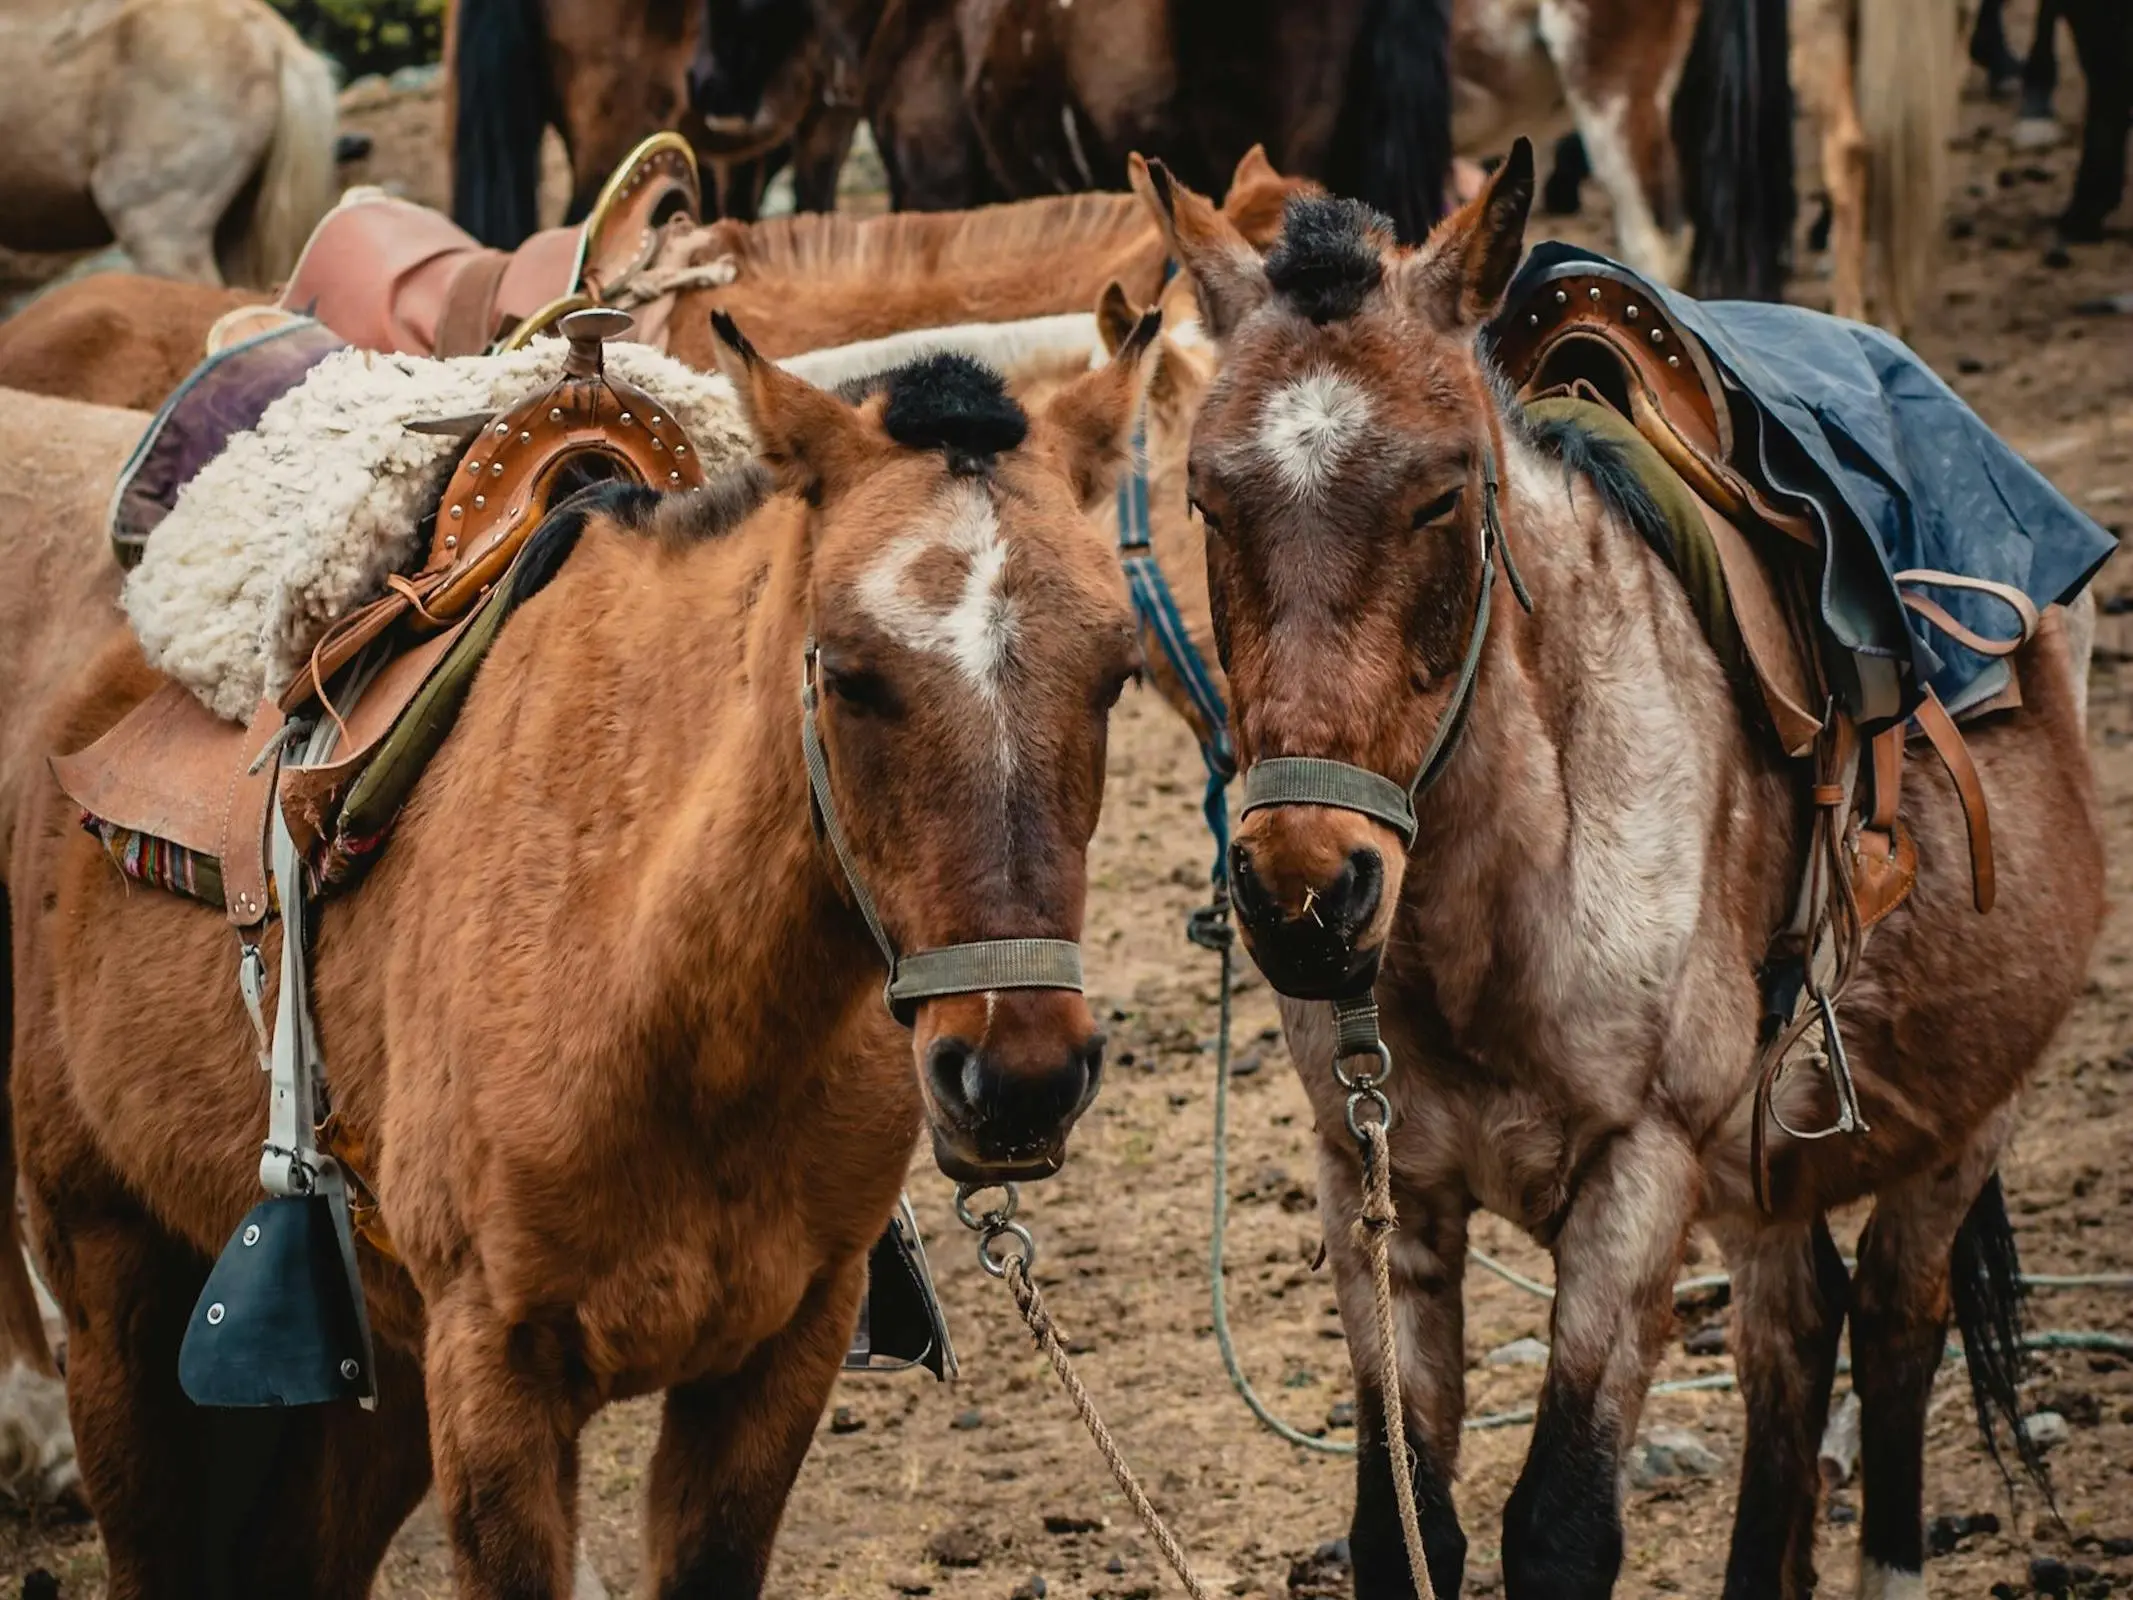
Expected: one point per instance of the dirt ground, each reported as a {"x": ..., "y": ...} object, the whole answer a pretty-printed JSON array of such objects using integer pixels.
[{"x": 983, "y": 1488}]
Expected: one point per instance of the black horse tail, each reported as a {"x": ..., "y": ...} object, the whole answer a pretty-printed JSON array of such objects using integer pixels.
[
  {"x": 501, "y": 99},
  {"x": 1732, "y": 124},
  {"x": 1985, "y": 1281},
  {"x": 1393, "y": 145}
]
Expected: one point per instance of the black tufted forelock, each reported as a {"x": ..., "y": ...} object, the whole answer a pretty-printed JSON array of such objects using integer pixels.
[
  {"x": 1326, "y": 261},
  {"x": 947, "y": 402}
]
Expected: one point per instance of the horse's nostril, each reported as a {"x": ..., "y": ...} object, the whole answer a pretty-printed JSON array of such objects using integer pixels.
[
  {"x": 952, "y": 1071},
  {"x": 1247, "y": 890},
  {"x": 1361, "y": 882}
]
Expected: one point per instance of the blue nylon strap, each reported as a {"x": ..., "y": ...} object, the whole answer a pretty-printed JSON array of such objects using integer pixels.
[{"x": 1158, "y": 611}]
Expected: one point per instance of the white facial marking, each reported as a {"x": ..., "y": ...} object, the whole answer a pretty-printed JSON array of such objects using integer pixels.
[
  {"x": 1308, "y": 426},
  {"x": 976, "y": 630}
]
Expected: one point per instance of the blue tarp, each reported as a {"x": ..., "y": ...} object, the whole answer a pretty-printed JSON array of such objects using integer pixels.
[{"x": 1865, "y": 428}]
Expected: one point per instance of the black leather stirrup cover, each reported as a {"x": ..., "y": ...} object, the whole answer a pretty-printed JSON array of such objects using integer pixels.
[
  {"x": 276, "y": 1324},
  {"x": 901, "y": 1323}
]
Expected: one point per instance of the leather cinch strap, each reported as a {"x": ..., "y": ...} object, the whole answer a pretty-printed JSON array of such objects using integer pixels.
[
  {"x": 1316, "y": 781},
  {"x": 973, "y": 968}
]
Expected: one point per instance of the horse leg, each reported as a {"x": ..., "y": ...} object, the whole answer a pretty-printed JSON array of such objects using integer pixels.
[
  {"x": 2103, "y": 41},
  {"x": 730, "y": 1447},
  {"x": 1822, "y": 72},
  {"x": 1900, "y": 1309},
  {"x": 1428, "y": 1260},
  {"x": 1620, "y": 81},
  {"x": 128, "y": 1291},
  {"x": 1616, "y": 1258},
  {"x": 504, "y": 1420},
  {"x": 1789, "y": 1295},
  {"x": 2040, "y": 69}
]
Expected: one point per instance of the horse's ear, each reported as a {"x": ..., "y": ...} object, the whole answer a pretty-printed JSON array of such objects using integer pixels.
[
  {"x": 1253, "y": 168},
  {"x": 1458, "y": 276},
  {"x": 1089, "y": 424},
  {"x": 1116, "y": 316},
  {"x": 811, "y": 440},
  {"x": 1225, "y": 269}
]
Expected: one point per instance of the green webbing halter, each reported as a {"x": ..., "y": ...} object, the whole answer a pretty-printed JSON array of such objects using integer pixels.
[
  {"x": 953, "y": 969},
  {"x": 1316, "y": 781}
]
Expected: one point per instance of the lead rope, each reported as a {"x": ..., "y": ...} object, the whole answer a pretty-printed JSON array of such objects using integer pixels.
[
  {"x": 1012, "y": 1267},
  {"x": 1356, "y": 1035}
]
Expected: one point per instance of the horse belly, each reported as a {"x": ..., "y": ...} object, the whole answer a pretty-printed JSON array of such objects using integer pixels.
[{"x": 1502, "y": 81}]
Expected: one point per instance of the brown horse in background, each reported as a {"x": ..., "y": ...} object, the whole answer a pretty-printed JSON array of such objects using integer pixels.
[
  {"x": 1565, "y": 954},
  {"x": 577, "y": 1189}
]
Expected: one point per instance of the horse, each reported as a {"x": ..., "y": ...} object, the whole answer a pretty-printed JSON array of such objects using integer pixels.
[
  {"x": 1564, "y": 955},
  {"x": 2103, "y": 43},
  {"x": 199, "y": 134},
  {"x": 607, "y": 78},
  {"x": 577, "y": 1188},
  {"x": 972, "y": 100},
  {"x": 803, "y": 282}
]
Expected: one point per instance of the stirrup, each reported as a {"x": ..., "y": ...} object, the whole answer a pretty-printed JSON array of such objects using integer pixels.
[
  {"x": 901, "y": 1322},
  {"x": 1831, "y": 1059}
]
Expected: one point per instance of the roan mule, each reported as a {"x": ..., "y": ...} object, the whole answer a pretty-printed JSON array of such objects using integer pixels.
[
  {"x": 604, "y": 1010},
  {"x": 1566, "y": 955}
]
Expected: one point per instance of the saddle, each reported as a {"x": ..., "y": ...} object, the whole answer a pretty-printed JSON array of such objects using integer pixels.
[
  {"x": 1593, "y": 345},
  {"x": 386, "y": 274}
]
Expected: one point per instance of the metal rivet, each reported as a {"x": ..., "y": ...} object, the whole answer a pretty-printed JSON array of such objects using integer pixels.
[
  {"x": 1533, "y": 319},
  {"x": 1658, "y": 336},
  {"x": 1562, "y": 297},
  {"x": 251, "y": 1233},
  {"x": 451, "y": 541},
  {"x": 480, "y": 501},
  {"x": 215, "y": 1314},
  {"x": 350, "y": 1369},
  {"x": 473, "y": 466},
  {"x": 457, "y": 511},
  {"x": 1673, "y": 361},
  {"x": 681, "y": 449},
  {"x": 625, "y": 417},
  {"x": 502, "y": 428},
  {"x": 673, "y": 477},
  {"x": 657, "y": 445},
  {"x": 496, "y": 470},
  {"x": 1630, "y": 312},
  {"x": 1594, "y": 291},
  {"x": 655, "y": 422},
  {"x": 556, "y": 415},
  {"x": 525, "y": 438}
]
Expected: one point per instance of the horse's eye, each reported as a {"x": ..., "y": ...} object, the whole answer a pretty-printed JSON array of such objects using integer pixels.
[
  {"x": 1440, "y": 508},
  {"x": 1213, "y": 522},
  {"x": 859, "y": 688}
]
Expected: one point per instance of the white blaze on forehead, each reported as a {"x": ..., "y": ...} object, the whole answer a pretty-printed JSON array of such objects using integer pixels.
[
  {"x": 975, "y": 626},
  {"x": 1309, "y": 425}
]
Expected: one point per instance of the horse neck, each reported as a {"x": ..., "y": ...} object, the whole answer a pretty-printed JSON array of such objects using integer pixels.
[
  {"x": 673, "y": 718},
  {"x": 1573, "y": 839}
]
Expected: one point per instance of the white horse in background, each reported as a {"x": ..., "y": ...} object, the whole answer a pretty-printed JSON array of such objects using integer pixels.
[{"x": 198, "y": 134}]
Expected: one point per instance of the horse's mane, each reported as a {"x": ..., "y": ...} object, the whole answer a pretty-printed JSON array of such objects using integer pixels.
[{"x": 918, "y": 243}]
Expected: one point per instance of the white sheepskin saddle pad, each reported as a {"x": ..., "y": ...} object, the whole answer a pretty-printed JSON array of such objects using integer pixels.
[{"x": 300, "y": 521}]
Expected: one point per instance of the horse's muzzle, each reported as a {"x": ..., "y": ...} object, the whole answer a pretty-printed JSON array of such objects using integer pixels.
[
  {"x": 1006, "y": 1076},
  {"x": 1325, "y": 948}
]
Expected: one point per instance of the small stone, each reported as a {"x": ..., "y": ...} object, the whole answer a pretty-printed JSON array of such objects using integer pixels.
[
  {"x": 843, "y": 1421},
  {"x": 1944, "y": 1533},
  {"x": 1062, "y": 1524},
  {"x": 1341, "y": 1414},
  {"x": 2048, "y": 1575},
  {"x": 960, "y": 1546},
  {"x": 965, "y": 1421},
  {"x": 1030, "y": 1588},
  {"x": 1245, "y": 1066},
  {"x": 1708, "y": 1340},
  {"x": 1969, "y": 364},
  {"x": 1518, "y": 1353},
  {"x": 1668, "y": 1454},
  {"x": 910, "y": 1583},
  {"x": 1115, "y": 1566},
  {"x": 2080, "y": 1408},
  {"x": 2046, "y": 1429}
]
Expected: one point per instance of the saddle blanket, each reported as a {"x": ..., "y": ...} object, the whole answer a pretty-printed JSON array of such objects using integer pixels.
[{"x": 1905, "y": 474}]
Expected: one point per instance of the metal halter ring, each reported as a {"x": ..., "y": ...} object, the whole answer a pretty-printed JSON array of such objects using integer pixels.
[
  {"x": 996, "y": 1266},
  {"x": 1364, "y": 1083},
  {"x": 998, "y": 1216},
  {"x": 1368, "y": 1096}
]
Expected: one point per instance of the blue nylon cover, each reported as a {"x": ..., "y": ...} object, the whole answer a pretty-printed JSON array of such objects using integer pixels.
[{"x": 1880, "y": 441}]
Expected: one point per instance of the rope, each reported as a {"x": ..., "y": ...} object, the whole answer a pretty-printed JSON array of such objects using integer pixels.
[
  {"x": 1373, "y": 1231},
  {"x": 653, "y": 283},
  {"x": 1031, "y": 1305},
  {"x": 1723, "y": 1280}
]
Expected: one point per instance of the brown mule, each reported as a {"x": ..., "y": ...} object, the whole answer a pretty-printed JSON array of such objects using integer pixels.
[
  {"x": 618, "y": 1048},
  {"x": 1566, "y": 950}
]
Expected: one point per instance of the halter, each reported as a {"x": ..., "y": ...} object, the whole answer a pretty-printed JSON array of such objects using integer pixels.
[
  {"x": 974, "y": 968},
  {"x": 1317, "y": 781}
]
